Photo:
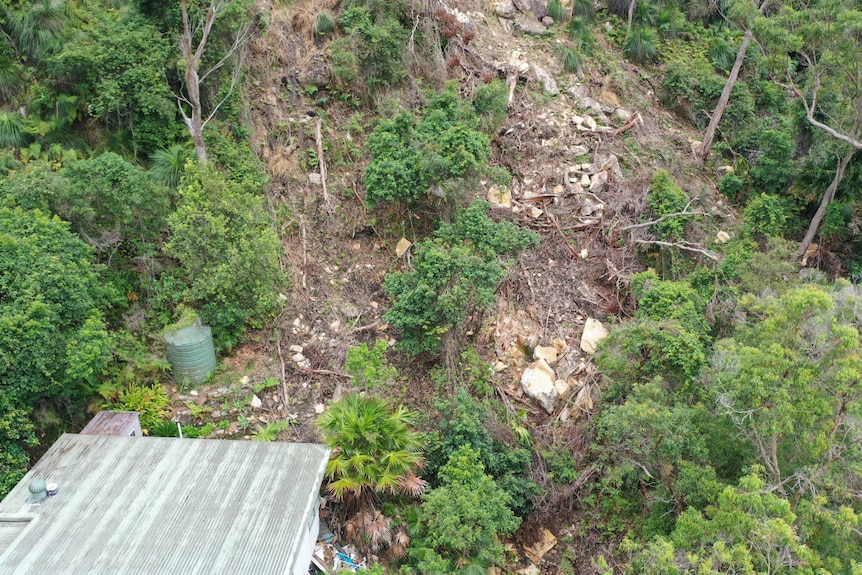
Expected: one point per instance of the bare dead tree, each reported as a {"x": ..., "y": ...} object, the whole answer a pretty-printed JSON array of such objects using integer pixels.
[{"x": 193, "y": 43}]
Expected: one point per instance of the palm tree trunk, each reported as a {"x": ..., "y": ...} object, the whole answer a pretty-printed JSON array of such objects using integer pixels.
[
  {"x": 828, "y": 196},
  {"x": 709, "y": 135}
]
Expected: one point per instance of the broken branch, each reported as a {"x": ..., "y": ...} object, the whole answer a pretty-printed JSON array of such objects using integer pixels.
[{"x": 685, "y": 247}]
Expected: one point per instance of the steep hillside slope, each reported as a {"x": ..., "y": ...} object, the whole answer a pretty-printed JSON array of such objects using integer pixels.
[{"x": 582, "y": 151}]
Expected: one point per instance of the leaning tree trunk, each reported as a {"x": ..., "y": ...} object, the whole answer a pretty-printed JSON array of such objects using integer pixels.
[
  {"x": 709, "y": 135},
  {"x": 828, "y": 196},
  {"x": 631, "y": 16}
]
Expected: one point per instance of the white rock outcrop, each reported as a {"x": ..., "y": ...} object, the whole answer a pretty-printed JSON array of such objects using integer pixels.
[
  {"x": 594, "y": 332},
  {"x": 539, "y": 383}
]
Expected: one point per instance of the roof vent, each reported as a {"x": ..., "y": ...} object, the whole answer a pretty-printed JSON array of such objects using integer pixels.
[{"x": 38, "y": 491}]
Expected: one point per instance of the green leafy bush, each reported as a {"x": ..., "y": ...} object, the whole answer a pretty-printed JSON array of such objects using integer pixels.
[
  {"x": 165, "y": 428},
  {"x": 668, "y": 338},
  {"x": 116, "y": 64},
  {"x": 464, "y": 518},
  {"x": 490, "y": 103},
  {"x": 555, "y": 10},
  {"x": 375, "y": 448},
  {"x": 767, "y": 214},
  {"x": 410, "y": 157},
  {"x": 642, "y": 43},
  {"x": 772, "y": 170},
  {"x": 453, "y": 279},
  {"x": 152, "y": 402},
  {"x": 52, "y": 296},
  {"x": 229, "y": 253},
  {"x": 369, "y": 366},
  {"x": 464, "y": 423},
  {"x": 16, "y": 434},
  {"x": 665, "y": 198},
  {"x": 733, "y": 187},
  {"x": 376, "y": 42}
]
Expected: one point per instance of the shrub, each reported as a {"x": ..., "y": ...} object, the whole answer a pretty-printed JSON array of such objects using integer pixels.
[
  {"x": 572, "y": 60},
  {"x": 642, "y": 44},
  {"x": 152, "y": 402},
  {"x": 16, "y": 434},
  {"x": 490, "y": 103},
  {"x": 733, "y": 186},
  {"x": 773, "y": 170},
  {"x": 51, "y": 296},
  {"x": 555, "y": 10},
  {"x": 410, "y": 157},
  {"x": 453, "y": 279},
  {"x": 377, "y": 43},
  {"x": 222, "y": 237},
  {"x": 375, "y": 448},
  {"x": 767, "y": 214},
  {"x": 464, "y": 423},
  {"x": 665, "y": 198},
  {"x": 369, "y": 366},
  {"x": 465, "y": 517},
  {"x": 324, "y": 23}
]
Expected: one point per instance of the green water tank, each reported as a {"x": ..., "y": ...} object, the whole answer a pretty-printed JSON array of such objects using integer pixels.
[{"x": 191, "y": 353}]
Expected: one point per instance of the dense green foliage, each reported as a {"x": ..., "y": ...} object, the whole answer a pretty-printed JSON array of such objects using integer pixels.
[
  {"x": 52, "y": 299},
  {"x": 369, "y": 366},
  {"x": 371, "y": 52},
  {"x": 52, "y": 334},
  {"x": 465, "y": 422},
  {"x": 229, "y": 253},
  {"x": 454, "y": 275},
  {"x": 464, "y": 517},
  {"x": 439, "y": 154}
]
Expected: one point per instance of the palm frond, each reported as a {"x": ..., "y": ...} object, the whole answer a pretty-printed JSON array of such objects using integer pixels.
[
  {"x": 13, "y": 130},
  {"x": 169, "y": 164},
  {"x": 641, "y": 45}
]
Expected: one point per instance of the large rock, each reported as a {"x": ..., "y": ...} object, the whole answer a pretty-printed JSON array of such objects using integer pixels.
[
  {"x": 594, "y": 332},
  {"x": 500, "y": 197},
  {"x": 610, "y": 162},
  {"x": 598, "y": 181},
  {"x": 539, "y": 9},
  {"x": 587, "y": 103},
  {"x": 548, "y": 353},
  {"x": 529, "y": 25},
  {"x": 539, "y": 383},
  {"x": 537, "y": 551},
  {"x": 403, "y": 245},
  {"x": 315, "y": 74},
  {"x": 505, "y": 9},
  {"x": 514, "y": 334},
  {"x": 584, "y": 399},
  {"x": 578, "y": 91},
  {"x": 548, "y": 82}
]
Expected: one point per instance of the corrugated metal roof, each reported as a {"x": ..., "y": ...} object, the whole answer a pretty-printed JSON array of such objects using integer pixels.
[{"x": 152, "y": 505}]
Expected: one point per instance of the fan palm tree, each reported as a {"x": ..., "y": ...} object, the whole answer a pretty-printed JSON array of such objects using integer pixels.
[
  {"x": 168, "y": 165},
  {"x": 34, "y": 28},
  {"x": 374, "y": 449},
  {"x": 13, "y": 130}
]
